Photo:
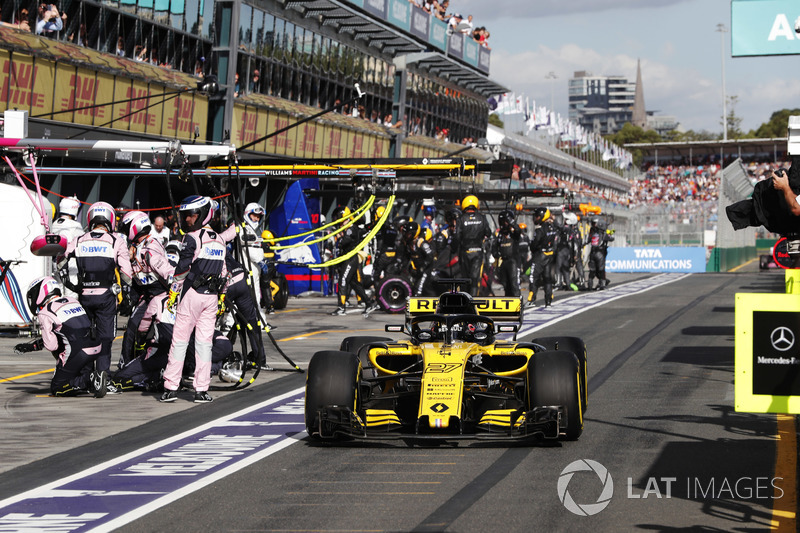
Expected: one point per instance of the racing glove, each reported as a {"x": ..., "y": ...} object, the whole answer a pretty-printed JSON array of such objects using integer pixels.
[
  {"x": 172, "y": 301},
  {"x": 221, "y": 305},
  {"x": 33, "y": 346}
]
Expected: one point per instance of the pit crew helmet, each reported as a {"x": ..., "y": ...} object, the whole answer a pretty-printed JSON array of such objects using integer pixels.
[
  {"x": 40, "y": 291},
  {"x": 69, "y": 206},
  {"x": 541, "y": 214},
  {"x": 173, "y": 251},
  {"x": 570, "y": 219},
  {"x": 267, "y": 236},
  {"x": 140, "y": 225},
  {"x": 101, "y": 214},
  {"x": 253, "y": 209},
  {"x": 470, "y": 202},
  {"x": 341, "y": 212},
  {"x": 410, "y": 230},
  {"x": 125, "y": 221},
  {"x": 506, "y": 218},
  {"x": 400, "y": 220},
  {"x": 195, "y": 205}
]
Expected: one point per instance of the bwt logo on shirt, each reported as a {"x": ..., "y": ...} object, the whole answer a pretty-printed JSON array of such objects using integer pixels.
[
  {"x": 210, "y": 252},
  {"x": 94, "y": 249}
]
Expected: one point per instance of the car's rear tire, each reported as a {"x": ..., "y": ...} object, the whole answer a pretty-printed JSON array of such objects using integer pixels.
[
  {"x": 553, "y": 380},
  {"x": 282, "y": 296},
  {"x": 393, "y": 293},
  {"x": 332, "y": 379},
  {"x": 576, "y": 346}
]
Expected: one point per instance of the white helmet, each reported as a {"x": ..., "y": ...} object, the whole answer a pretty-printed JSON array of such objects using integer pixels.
[
  {"x": 139, "y": 226},
  {"x": 125, "y": 221},
  {"x": 69, "y": 206},
  {"x": 232, "y": 368},
  {"x": 253, "y": 209},
  {"x": 173, "y": 250},
  {"x": 570, "y": 219},
  {"x": 40, "y": 291}
]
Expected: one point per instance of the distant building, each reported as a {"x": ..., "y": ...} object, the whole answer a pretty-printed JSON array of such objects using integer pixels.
[{"x": 601, "y": 104}]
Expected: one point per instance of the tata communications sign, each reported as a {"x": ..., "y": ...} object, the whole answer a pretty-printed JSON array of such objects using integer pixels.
[
  {"x": 764, "y": 27},
  {"x": 651, "y": 259}
]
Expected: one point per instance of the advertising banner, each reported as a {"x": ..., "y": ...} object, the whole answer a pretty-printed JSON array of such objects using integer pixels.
[
  {"x": 438, "y": 35},
  {"x": 376, "y": 7},
  {"x": 764, "y": 27},
  {"x": 399, "y": 14},
  {"x": 455, "y": 45},
  {"x": 471, "y": 51},
  {"x": 420, "y": 22},
  {"x": 767, "y": 355},
  {"x": 649, "y": 259}
]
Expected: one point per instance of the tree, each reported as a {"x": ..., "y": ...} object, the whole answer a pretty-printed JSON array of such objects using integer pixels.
[
  {"x": 734, "y": 122},
  {"x": 630, "y": 134},
  {"x": 494, "y": 120},
  {"x": 778, "y": 124}
]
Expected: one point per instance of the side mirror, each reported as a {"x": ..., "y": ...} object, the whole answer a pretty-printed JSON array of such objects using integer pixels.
[
  {"x": 393, "y": 328},
  {"x": 506, "y": 328}
]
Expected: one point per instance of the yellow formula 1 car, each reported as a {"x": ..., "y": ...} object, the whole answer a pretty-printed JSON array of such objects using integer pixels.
[{"x": 450, "y": 379}]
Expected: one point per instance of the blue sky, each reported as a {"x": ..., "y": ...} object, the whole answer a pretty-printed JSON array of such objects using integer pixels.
[{"x": 676, "y": 41}]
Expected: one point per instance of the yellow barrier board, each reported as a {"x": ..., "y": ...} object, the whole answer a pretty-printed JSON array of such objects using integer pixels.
[{"x": 767, "y": 361}]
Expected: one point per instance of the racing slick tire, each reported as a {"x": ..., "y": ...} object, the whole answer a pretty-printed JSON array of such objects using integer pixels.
[
  {"x": 332, "y": 378},
  {"x": 553, "y": 379},
  {"x": 282, "y": 296},
  {"x": 354, "y": 345},
  {"x": 576, "y": 346},
  {"x": 393, "y": 293}
]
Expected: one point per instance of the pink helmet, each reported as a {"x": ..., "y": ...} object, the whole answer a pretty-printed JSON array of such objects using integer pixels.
[
  {"x": 41, "y": 290},
  {"x": 102, "y": 213},
  {"x": 139, "y": 226}
]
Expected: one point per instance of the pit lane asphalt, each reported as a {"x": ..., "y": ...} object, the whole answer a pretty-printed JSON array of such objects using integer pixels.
[{"x": 655, "y": 412}]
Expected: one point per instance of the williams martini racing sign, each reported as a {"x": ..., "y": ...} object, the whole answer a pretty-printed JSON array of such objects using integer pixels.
[{"x": 651, "y": 259}]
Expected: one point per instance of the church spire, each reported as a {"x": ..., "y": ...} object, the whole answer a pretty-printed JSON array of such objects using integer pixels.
[{"x": 639, "y": 114}]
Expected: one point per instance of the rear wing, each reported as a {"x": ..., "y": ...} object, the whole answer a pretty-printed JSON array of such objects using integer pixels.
[{"x": 499, "y": 309}]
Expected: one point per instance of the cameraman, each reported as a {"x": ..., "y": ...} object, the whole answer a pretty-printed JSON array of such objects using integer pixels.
[
  {"x": 49, "y": 21},
  {"x": 780, "y": 181}
]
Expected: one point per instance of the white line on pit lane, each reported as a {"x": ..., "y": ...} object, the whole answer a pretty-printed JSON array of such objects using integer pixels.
[{"x": 202, "y": 482}]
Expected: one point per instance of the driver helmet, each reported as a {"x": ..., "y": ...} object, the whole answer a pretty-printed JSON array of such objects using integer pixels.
[
  {"x": 40, "y": 291},
  {"x": 101, "y": 214},
  {"x": 70, "y": 207},
  {"x": 253, "y": 210}
]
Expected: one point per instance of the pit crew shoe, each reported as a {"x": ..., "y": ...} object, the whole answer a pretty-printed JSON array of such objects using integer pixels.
[
  {"x": 202, "y": 396},
  {"x": 168, "y": 396},
  {"x": 339, "y": 312},
  {"x": 371, "y": 309},
  {"x": 112, "y": 389}
]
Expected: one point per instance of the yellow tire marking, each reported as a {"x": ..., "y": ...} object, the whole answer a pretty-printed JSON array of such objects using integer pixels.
[
  {"x": 784, "y": 506},
  {"x": 28, "y": 375}
]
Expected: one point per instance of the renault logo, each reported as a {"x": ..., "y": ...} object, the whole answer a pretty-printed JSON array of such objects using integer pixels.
[{"x": 782, "y": 338}]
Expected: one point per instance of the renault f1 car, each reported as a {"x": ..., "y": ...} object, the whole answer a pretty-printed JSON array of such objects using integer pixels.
[{"x": 451, "y": 378}]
